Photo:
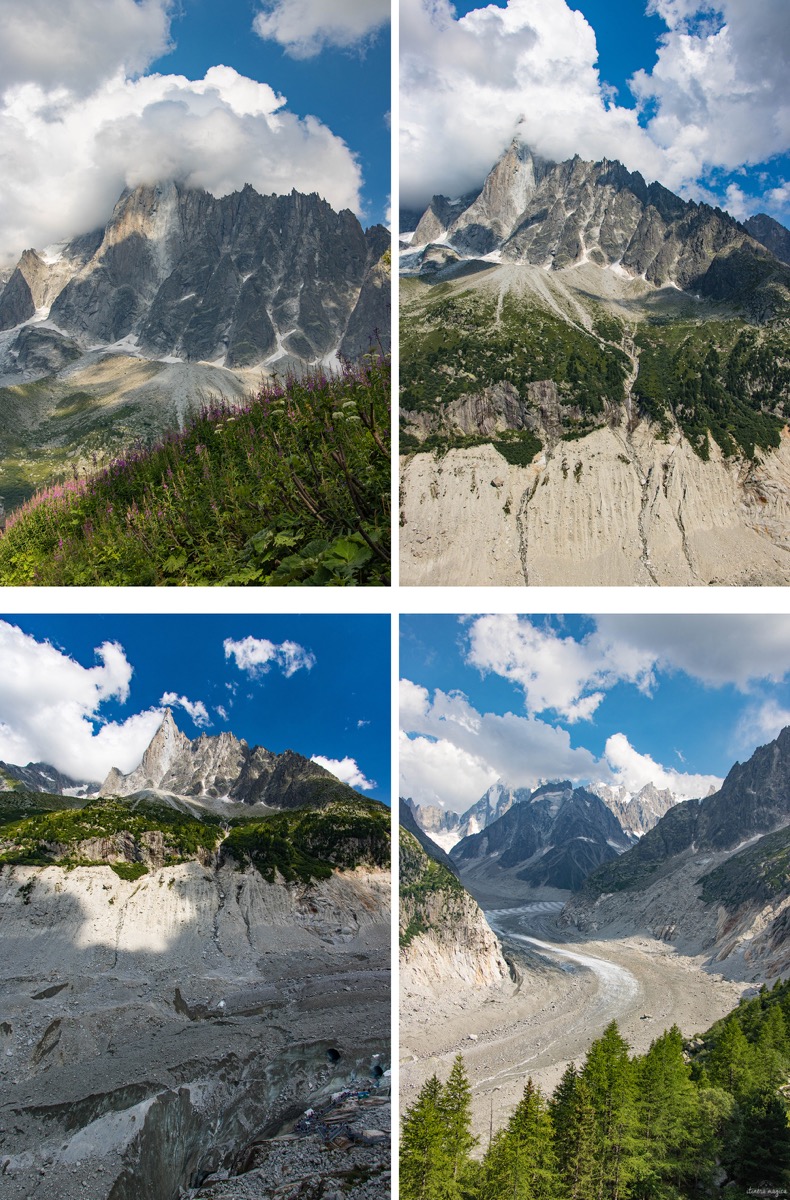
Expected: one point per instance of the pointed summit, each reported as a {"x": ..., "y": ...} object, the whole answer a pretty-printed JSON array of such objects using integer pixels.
[{"x": 224, "y": 768}]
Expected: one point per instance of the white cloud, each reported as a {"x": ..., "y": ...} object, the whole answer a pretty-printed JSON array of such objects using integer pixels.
[
  {"x": 570, "y": 677},
  {"x": 257, "y": 656},
  {"x": 761, "y": 723},
  {"x": 65, "y": 158},
  {"x": 440, "y": 773},
  {"x": 345, "y": 769},
  {"x": 305, "y": 27},
  {"x": 737, "y": 649},
  {"x": 716, "y": 99},
  {"x": 484, "y": 747},
  {"x": 458, "y": 752},
  {"x": 221, "y": 712},
  {"x": 635, "y": 770},
  {"x": 196, "y": 708},
  {"x": 555, "y": 672},
  {"x": 49, "y": 702},
  {"x": 75, "y": 45},
  {"x": 468, "y": 84}
]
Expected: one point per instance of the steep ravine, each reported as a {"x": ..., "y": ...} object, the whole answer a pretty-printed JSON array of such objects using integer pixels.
[
  {"x": 149, "y": 1030},
  {"x": 616, "y": 508}
]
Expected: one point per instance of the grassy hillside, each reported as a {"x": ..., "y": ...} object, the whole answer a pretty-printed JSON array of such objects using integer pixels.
[
  {"x": 304, "y": 844},
  {"x": 712, "y": 376},
  {"x": 460, "y": 344},
  {"x": 292, "y": 488},
  {"x": 721, "y": 377},
  {"x": 301, "y": 844}
]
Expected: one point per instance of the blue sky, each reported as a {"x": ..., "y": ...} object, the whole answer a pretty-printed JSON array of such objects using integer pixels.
[
  {"x": 347, "y": 88},
  {"x": 315, "y": 684},
  {"x": 279, "y": 94},
  {"x": 629, "y": 699},
  {"x": 693, "y": 94}
]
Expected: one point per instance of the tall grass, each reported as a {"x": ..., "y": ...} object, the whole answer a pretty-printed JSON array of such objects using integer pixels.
[{"x": 292, "y": 488}]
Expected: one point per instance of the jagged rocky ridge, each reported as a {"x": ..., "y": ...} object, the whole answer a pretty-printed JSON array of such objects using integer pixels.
[
  {"x": 713, "y": 876},
  {"x": 554, "y": 836},
  {"x": 237, "y": 281},
  {"x": 554, "y": 215},
  {"x": 224, "y": 767},
  {"x": 636, "y": 812}
]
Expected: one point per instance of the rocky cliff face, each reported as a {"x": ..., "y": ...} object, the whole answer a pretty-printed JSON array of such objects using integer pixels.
[
  {"x": 223, "y": 767},
  {"x": 712, "y": 875},
  {"x": 445, "y": 939},
  {"x": 237, "y": 281},
  {"x": 555, "y": 836},
  {"x": 771, "y": 234},
  {"x": 634, "y": 509},
  {"x": 555, "y": 215}
]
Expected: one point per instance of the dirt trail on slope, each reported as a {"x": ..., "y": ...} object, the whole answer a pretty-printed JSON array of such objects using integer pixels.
[{"x": 568, "y": 993}]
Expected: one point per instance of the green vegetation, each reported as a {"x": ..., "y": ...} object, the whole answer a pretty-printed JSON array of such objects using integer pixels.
[
  {"x": 720, "y": 377},
  {"x": 129, "y": 871},
  {"x": 301, "y": 844},
  {"x": 460, "y": 345},
  {"x": 292, "y": 489},
  {"x": 304, "y": 844},
  {"x": 677, "y": 1122},
  {"x": 756, "y": 874},
  {"x": 422, "y": 880},
  {"x": 48, "y": 837}
]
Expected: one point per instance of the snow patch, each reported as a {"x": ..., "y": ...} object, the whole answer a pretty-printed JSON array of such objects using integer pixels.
[{"x": 53, "y": 253}]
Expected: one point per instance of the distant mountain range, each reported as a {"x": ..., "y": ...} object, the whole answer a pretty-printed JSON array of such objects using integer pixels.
[
  {"x": 713, "y": 875},
  {"x": 636, "y": 812}
]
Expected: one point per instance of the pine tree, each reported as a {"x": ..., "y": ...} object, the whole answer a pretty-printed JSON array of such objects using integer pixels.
[
  {"x": 455, "y": 1106},
  {"x": 521, "y": 1164},
  {"x": 426, "y": 1168},
  {"x": 729, "y": 1064},
  {"x": 573, "y": 1119},
  {"x": 668, "y": 1117},
  {"x": 608, "y": 1073}
]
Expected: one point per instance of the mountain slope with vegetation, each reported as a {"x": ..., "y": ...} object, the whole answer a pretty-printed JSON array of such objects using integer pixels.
[
  {"x": 291, "y": 489},
  {"x": 615, "y": 363},
  {"x": 136, "y": 834}
]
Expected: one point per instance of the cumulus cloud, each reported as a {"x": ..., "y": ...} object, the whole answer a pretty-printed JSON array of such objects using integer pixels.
[
  {"x": 345, "y": 769},
  {"x": 65, "y": 158},
  {"x": 257, "y": 656},
  {"x": 49, "y": 704},
  {"x": 76, "y": 45},
  {"x": 570, "y": 676},
  {"x": 635, "y": 771},
  {"x": 450, "y": 753},
  {"x": 305, "y": 27},
  {"x": 195, "y": 708},
  {"x": 716, "y": 98},
  {"x": 469, "y": 84}
]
